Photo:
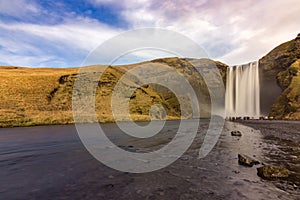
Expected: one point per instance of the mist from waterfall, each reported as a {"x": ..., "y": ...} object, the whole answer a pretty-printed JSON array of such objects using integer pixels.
[{"x": 243, "y": 91}]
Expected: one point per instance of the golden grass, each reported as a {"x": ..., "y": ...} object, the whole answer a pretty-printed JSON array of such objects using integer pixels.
[
  {"x": 24, "y": 96},
  {"x": 32, "y": 96},
  {"x": 43, "y": 96}
]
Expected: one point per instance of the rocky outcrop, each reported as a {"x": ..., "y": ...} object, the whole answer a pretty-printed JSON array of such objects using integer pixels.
[
  {"x": 271, "y": 172},
  {"x": 287, "y": 105},
  {"x": 279, "y": 81},
  {"x": 247, "y": 160},
  {"x": 236, "y": 133}
]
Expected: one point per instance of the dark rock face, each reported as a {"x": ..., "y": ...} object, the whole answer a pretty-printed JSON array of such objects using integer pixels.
[
  {"x": 287, "y": 105},
  {"x": 272, "y": 82},
  {"x": 236, "y": 133},
  {"x": 269, "y": 172},
  {"x": 247, "y": 161}
]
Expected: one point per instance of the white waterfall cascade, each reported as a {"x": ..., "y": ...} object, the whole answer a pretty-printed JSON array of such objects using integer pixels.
[{"x": 243, "y": 91}]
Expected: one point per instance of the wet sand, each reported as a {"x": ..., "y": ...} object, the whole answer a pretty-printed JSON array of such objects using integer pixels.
[{"x": 50, "y": 162}]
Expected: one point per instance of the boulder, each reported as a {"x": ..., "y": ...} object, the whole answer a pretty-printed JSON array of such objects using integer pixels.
[
  {"x": 247, "y": 161},
  {"x": 269, "y": 172},
  {"x": 236, "y": 133}
]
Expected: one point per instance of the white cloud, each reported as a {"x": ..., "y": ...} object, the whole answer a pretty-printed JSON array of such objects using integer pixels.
[
  {"x": 18, "y": 8},
  {"x": 49, "y": 42},
  {"x": 28, "y": 61},
  {"x": 231, "y": 31},
  {"x": 84, "y": 36}
]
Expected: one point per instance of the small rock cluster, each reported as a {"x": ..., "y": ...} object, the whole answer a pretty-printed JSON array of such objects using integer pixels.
[{"x": 265, "y": 172}]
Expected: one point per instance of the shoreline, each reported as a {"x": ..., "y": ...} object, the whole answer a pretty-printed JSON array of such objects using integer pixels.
[{"x": 33, "y": 124}]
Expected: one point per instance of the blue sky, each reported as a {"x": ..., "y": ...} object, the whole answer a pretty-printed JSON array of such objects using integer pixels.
[{"x": 62, "y": 33}]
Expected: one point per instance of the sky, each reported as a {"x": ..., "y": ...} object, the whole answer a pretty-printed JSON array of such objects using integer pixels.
[{"x": 62, "y": 33}]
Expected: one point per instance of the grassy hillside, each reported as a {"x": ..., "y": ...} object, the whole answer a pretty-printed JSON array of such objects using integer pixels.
[
  {"x": 24, "y": 97},
  {"x": 44, "y": 96}
]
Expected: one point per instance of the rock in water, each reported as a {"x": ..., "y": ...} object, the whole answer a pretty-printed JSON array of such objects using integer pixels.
[
  {"x": 268, "y": 172},
  {"x": 236, "y": 133},
  {"x": 247, "y": 161}
]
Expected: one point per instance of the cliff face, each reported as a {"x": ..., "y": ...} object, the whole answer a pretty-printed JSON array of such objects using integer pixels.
[
  {"x": 287, "y": 105},
  {"x": 44, "y": 96},
  {"x": 280, "y": 81}
]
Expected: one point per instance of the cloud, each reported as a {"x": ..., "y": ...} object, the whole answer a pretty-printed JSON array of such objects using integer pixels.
[
  {"x": 195, "y": 19},
  {"x": 142, "y": 55},
  {"x": 231, "y": 31},
  {"x": 68, "y": 43},
  {"x": 262, "y": 29},
  {"x": 82, "y": 34},
  {"x": 18, "y": 8}
]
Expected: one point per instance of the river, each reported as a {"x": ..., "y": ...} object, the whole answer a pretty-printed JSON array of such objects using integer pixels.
[{"x": 50, "y": 162}]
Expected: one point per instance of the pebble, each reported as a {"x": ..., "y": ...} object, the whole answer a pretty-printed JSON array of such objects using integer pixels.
[
  {"x": 236, "y": 133},
  {"x": 295, "y": 186}
]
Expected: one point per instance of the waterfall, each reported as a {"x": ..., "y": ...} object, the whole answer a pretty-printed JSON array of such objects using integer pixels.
[{"x": 242, "y": 91}]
